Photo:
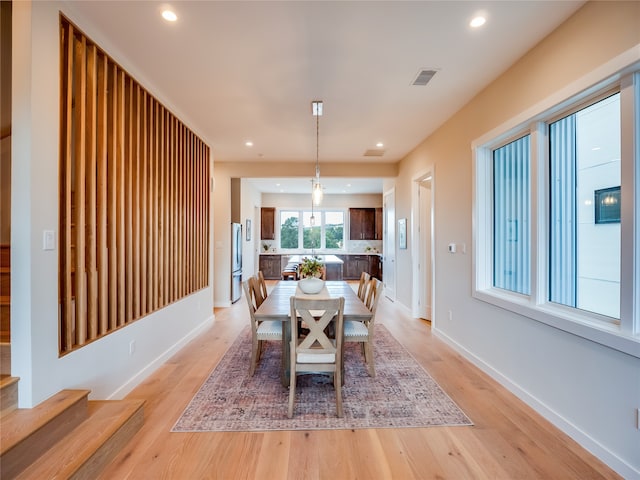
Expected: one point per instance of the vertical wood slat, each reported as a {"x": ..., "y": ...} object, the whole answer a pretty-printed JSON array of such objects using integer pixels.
[
  {"x": 66, "y": 328},
  {"x": 136, "y": 205},
  {"x": 151, "y": 212},
  {"x": 91, "y": 198},
  {"x": 79, "y": 194},
  {"x": 133, "y": 209},
  {"x": 143, "y": 206},
  {"x": 120, "y": 188},
  {"x": 112, "y": 197},
  {"x": 128, "y": 201},
  {"x": 102, "y": 196}
]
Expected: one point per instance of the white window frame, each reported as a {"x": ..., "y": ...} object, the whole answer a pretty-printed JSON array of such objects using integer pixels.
[
  {"x": 323, "y": 241},
  {"x": 622, "y": 335}
]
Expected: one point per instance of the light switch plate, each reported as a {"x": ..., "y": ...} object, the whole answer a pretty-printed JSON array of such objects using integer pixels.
[{"x": 48, "y": 240}]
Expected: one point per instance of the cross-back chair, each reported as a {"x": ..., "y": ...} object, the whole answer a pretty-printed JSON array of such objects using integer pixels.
[
  {"x": 258, "y": 288},
  {"x": 316, "y": 352},
  {"x": 260, "y": 331},
  {"x": 362, "y": 331},
  {"x": 362, "y": 286}
]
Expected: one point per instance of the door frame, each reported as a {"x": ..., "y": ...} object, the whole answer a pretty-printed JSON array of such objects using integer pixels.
[
  {"x": 389, "y": 245},
  {"x": 416, "y": 230}
]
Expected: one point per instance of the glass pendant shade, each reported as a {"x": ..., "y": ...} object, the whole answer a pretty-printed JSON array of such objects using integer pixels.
[{"x": 317, "y": 194}]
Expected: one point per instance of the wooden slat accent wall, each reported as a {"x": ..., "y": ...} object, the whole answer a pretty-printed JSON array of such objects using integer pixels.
[{"x": 134, "y": 198}]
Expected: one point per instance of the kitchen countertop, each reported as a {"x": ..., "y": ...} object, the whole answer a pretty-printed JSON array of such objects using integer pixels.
[{"x": 328, "y": 259}]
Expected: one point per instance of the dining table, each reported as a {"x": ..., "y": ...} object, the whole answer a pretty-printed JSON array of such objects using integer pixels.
[{"x": 277, "y": 307}]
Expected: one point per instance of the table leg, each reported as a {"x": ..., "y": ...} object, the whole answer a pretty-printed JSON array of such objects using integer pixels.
[{"x": 285, "y": 373}]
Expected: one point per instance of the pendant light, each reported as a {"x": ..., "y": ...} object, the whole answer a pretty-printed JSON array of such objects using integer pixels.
[{"x": 316, "y": 195}]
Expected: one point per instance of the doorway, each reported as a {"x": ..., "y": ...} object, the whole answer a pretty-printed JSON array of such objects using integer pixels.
[
  {"x": 423, "y": 274},
  {"x": 389, "y": 245}
]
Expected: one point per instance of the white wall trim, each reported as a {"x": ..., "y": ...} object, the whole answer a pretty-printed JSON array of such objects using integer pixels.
[
  {"x": 152, "y": 366},
  {"x": 585, "y": 440}
]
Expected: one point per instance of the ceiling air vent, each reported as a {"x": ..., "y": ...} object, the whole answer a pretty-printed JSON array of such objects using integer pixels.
[
  {"x": 424, "y": 77},
  {"x": 374, "y": 153}
]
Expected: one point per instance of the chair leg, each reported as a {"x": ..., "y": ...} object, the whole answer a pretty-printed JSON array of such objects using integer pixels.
[
  {"x": 337, "y": 384},
  {"x": 292, "y": 394},
  {"x": 368, "y": 356},
  {"x": 255, "y": 345}
]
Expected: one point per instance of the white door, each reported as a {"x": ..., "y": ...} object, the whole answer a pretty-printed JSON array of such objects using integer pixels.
[
  {"x": 424, "y": 247},
  {"x": 389, "y": 245}
]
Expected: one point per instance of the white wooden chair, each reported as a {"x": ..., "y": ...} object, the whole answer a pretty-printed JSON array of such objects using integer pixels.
[
  {"x": 356, "y": 331},
  {"x": 260, "y": 331},
  {"x": 316, "y": 352}
]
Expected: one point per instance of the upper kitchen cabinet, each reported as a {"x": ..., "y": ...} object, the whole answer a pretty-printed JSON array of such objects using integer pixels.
[
  {"x": 267, "y": 223},
  {"x": 365, "y": 224},
  {"x": 379, "y": 223}
]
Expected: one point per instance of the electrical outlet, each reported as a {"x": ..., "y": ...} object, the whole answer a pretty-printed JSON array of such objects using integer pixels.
[
  {"x": 132, "y": 347},
  {"x": 637, "y": 418}
]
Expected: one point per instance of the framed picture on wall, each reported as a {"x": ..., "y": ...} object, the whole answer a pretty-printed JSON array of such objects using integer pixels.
[
  {"x": 402, "y": 233},
  {"x": 248, "y": 229}
]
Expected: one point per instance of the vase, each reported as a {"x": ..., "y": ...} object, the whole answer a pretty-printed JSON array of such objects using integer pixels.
[{"x": 311, "y": 285}]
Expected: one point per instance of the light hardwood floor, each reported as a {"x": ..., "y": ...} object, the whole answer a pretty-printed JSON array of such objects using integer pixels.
[{"x": 508, "y": 439}]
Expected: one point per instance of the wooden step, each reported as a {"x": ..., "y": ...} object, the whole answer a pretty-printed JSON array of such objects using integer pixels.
[
  {"x": 5, "y": 354},
  {"x": 8, "y": 394},
  {"x": 85, "y": 452},
  {"x": 27, "y": 433}
]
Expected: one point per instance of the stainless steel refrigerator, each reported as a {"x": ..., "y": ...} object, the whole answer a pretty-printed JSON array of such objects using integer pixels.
[{"x": 236, "y": 261}]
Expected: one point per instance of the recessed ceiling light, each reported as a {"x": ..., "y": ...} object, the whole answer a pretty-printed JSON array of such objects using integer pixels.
[
  {"x": 169, "y": 16},
  {"x": 379, "y": 144},
  {"x": 477, "y": 21},
  {"x": 348, "y": 184},
  {"x": 248, "y": 143}
]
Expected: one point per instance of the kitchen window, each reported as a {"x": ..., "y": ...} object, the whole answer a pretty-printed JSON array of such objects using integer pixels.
[
  {"x": 557, "y": 216},
  {"x": 317, "y": 230}
]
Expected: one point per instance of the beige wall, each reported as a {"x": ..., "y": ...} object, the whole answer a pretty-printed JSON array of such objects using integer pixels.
[{"x": 587, "y": 389}]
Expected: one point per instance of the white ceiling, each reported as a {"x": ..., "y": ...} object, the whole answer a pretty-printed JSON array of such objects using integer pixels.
[{"x": 238, "y": 70}]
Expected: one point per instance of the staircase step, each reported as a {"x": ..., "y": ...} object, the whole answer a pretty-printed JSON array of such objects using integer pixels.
[
  {"x": 8, "y": 394},
  {"x": 85, "y": 452},
  {"x": 27, "y": 433}
]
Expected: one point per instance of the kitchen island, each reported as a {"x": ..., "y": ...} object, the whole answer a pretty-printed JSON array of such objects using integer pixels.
[{"x": 332, "y": 263}]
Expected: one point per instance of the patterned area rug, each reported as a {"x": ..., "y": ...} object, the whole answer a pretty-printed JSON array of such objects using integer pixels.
[{"x": 401, "y": 394}]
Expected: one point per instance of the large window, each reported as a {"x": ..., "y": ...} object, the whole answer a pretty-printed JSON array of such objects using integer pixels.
[
  {"x": 584, "y": 251},
  {"x": 557, "y": 215},
  {"x": 318, "y": 230},
  {"x": 511, "y": 196}
]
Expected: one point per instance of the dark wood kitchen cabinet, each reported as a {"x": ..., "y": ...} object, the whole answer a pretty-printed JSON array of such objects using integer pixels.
[
  {"x": 267, "y": 223},
  {"x": 362, "y": 223},
  {"x": 375, "y": 266},
  {"x": 355, "y": 265},
  {"x": 379, "y": 223},
  {"x": 270, "y": 266}
]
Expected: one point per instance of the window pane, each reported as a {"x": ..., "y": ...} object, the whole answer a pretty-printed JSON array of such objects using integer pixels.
[
  {"x": 334, "y": 230},
  {"x": 511, "y": 227},
  {"x": 288, "y": 229},
  {"x": 584, "y": 261},
  {"x": 310, "y": 233}
]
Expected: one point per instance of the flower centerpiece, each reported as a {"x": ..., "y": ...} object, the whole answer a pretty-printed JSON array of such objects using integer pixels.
[{"x": 310, "y": 272}]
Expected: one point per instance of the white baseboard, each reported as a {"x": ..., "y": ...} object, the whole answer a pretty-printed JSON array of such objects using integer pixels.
[
  {"x": 585, "y": 440},
  {"x": 139, "y": 377}
]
